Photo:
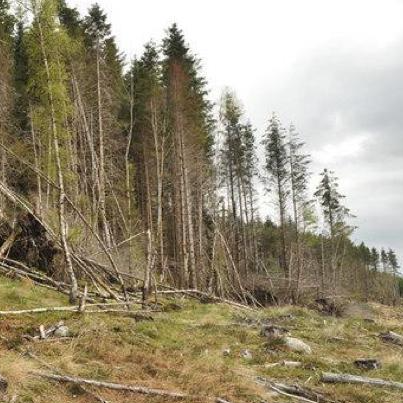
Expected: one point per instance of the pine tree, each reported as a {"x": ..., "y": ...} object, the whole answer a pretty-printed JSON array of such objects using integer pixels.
[
  {"x": 102, "y": 49},
  {"x": 384, "y": 260},
  {"x": 237, "y": 162},
  {"x": 335, "y": 215},
  {"x": 298, "y": 168},
  {"x": 375, "y": 259},
  {"x": 277, "y": 168},
  {"x": 189, "y": 127},
  {"x": 148, "y": 149}
]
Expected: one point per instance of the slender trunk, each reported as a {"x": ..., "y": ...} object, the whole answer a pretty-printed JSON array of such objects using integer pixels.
[
  {"x": 37, "y": 166},
  {"x": 159, "y": 159},
  {"x": 127, "y": 171},
  {"x": 296, "y": 223},
  {"x": 60, "y": 179},
  {"x": 102, "y": 197}
]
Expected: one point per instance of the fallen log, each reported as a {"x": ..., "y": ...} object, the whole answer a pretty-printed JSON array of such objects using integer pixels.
[
  {"x": 110, "y": 385},
  {"x": 294, "y": 391},
  {"x": 52, "y": 368},
  {"x": 329, "y": 377},
  {"x": 392, "y": 337},
  {"x": 74, "y": 308}
]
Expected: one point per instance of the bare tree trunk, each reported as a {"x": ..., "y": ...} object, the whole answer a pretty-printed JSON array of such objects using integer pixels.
[
  {"x": 147, "y": 272},
  {"x": 159, "y": 159},
  {"x": 101, "y": 179},
  {"x": 60, "y": 179},
  {"x": 37, "y": 166},
  {"x": 127, "y": 171}
]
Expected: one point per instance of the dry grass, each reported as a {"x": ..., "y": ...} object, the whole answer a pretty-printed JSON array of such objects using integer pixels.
[{"x": 183, "y": 351}]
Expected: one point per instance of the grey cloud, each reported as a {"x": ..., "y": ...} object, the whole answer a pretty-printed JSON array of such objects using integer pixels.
[{"x": 338, "y": 94}]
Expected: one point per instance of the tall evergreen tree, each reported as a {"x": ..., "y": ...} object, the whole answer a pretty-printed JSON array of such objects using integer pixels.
[
  {"x": 189, "y": 127},
  {"x": 277, "y": 168},
  {"x": 375, "y": 259},
  {"x": 384, "y": 260},
  {"x": 101, "y": 48},
  {"x": 335, "y": 215},
  {"x": 298, "y": 168}
]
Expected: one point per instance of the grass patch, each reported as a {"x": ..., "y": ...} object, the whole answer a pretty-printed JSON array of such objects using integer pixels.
[{"x": 183, "y": 350}]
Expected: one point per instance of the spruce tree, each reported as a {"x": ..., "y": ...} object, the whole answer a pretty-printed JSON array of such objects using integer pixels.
[
  {"x": 189, "y": 128},
  {"x": 375, "y": 259},
  {"x": 277, "y": 168},
  {"x": 384, "y": 260},
  {"x": 335, "y": 215},
  {"x": 299, "y": 175}
]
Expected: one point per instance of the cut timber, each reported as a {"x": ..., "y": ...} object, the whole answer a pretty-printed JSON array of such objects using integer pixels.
[
  {"x": 114, "y": 386},
  {"x": 329, "y": 377},
  {"x": 392, "y": 337}
]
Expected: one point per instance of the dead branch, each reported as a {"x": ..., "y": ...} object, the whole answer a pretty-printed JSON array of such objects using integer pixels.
[
  {"x": 294, "y": 391},
  {"x": 74, "y": 308},
  {"x": 52, "y": 368},
  {"x": 109, "y": 385},
  {"x": 329, "y": 377}
]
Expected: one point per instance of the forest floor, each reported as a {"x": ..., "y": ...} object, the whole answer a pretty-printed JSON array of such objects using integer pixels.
[{"x": 195, "y": 348}]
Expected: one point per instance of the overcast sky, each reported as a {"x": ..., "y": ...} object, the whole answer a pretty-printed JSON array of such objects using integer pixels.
[{"x": 333, "y": 67}]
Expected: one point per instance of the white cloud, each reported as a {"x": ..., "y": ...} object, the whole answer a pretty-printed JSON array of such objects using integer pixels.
[{"x": 348, "y": 148}]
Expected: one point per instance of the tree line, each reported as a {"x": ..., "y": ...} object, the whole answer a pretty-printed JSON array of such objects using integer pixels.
[{"x": 136, "y": 158}]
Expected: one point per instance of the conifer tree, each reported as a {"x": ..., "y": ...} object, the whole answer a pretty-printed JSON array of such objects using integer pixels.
[
  {"x": 277, "y": 168},
  {"x": 102, "y": 49},
  {"x": 392, "y": 259},
  {"x": 384, "y": 260},
  {"x": 374, "y": 259},
  {"x": 189, "y": 128},
  {"x": 335, "y": 215},
  {"x": 298, "y": 168},
  {"x": 148, "y": 149},
  {"x": 237, "y": 162}
]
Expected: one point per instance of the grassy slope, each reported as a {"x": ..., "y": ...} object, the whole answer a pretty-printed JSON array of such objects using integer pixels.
[{"x": 182, "y": 351}]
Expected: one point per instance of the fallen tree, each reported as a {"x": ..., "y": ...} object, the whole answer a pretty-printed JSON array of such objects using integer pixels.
[
  {"x": 329, "y": 377},
  {"x": 110, "y": 385},
  {"x": 295, "y": 391},
  {"x": 74, "y": 308}
]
